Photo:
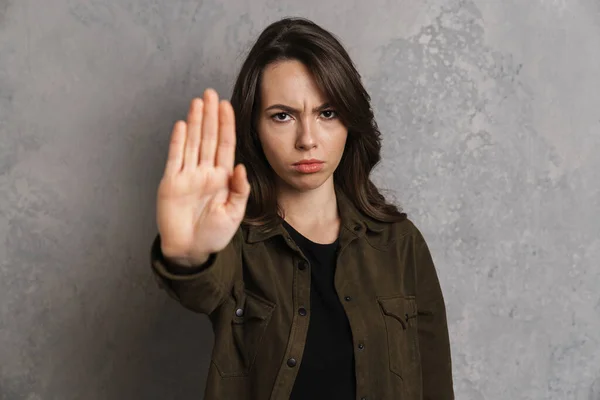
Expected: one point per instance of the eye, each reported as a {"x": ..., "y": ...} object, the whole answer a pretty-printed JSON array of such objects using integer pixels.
[
  {"x": 329, "y": 114},
  {"x": 280, "y": 117}
]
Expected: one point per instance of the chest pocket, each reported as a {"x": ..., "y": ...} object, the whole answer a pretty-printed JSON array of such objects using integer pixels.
[
  {"x": 238, "y": 336},
  {"x": 400, "y": 316}
]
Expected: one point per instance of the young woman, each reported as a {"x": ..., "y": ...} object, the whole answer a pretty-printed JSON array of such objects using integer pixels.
[{"x": 316, "y": 287}]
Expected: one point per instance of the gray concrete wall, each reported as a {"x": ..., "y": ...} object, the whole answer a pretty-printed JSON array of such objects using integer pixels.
[{"x": 491, "y": 118}]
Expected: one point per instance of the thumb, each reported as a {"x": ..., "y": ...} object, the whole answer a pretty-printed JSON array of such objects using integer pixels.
[{"x": 239, "y": 190}]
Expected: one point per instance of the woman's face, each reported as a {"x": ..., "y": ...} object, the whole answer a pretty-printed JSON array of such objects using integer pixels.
[{"x": 295, "y": 123}]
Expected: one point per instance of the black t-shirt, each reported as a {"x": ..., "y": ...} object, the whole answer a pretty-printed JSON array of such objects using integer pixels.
[{"x": 327, "y": 367}]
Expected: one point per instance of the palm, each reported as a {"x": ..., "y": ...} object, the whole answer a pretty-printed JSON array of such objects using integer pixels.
[{"x": 201, "y": 198}]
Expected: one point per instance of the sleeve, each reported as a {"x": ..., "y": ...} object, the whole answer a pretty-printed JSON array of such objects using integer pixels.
[
  {"x": 434, "y": 341},
  {"x": 201, "y": 289}
]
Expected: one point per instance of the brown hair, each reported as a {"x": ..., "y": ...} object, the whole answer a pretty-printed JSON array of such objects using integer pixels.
[{"x": 334, "y": 72}]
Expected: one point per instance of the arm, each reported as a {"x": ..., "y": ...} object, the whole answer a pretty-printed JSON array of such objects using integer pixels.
[
  {"x": 434, "y": 341},
  {"x": 203, "y": 288}
]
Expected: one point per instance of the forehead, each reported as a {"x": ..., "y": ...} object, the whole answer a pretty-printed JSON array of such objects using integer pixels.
[{"x": 291, "y": 83}]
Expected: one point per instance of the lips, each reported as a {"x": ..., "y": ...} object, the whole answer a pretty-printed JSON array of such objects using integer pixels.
[
  {"x": 311, "y": 161},
  {"x": 308, "y": 166}
]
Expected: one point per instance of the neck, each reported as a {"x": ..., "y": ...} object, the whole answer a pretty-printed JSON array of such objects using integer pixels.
[{"x": 313, "y": 207}]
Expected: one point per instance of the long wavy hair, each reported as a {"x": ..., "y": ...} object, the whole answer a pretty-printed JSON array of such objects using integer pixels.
[{"x": 336, "y": 75}]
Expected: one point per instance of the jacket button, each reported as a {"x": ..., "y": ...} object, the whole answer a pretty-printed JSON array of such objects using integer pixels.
[
  {"x": 361, "y": 346},
  {"x": 239, "y": 312},
  {"x": 291, "y": 362},
  {"x": 302, "y": 265},
  {"x": 302, "y": 311},
  {"x": 363, "y": 398},
  {"x": 347, "y": 298}
]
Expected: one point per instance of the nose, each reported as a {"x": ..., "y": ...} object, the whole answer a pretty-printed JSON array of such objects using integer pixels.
[{"x": 306, "y": 134}]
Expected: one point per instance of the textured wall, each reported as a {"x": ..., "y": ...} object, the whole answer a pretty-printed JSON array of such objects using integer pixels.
[{"x": 491, "y": 122}]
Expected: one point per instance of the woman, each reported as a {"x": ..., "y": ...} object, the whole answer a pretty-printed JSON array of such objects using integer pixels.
[{"x": 315, "y": 286}]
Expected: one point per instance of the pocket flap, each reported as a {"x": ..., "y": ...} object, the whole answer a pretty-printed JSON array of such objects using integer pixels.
[
  {"x": 253, "y": 308},
  {"x": 399, "y": 307}
]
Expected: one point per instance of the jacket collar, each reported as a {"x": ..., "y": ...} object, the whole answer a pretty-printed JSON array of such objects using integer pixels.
[{"x": 352, "y": 221}]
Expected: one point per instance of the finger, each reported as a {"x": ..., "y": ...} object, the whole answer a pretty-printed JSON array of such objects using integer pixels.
[
  {"x": 226, "y": 142},
  {"x": 194, "y": 124},
  {"x": 239, "y": 190},
  {"x": 208, "y": 142},
  {"x": 176, "y": 149}
]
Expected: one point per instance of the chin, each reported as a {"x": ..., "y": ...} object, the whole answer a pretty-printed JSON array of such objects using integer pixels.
[{"x": 304, "y": 183}]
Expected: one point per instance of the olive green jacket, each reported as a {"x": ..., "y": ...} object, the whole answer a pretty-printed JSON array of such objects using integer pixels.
[{"x": 253, "y": 288}]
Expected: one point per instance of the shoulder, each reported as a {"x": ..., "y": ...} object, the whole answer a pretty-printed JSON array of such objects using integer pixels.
[{"x": 406, "y": 228}]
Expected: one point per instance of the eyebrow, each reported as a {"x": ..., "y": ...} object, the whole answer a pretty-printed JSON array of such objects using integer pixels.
[{"x": 292, "y": 110}]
